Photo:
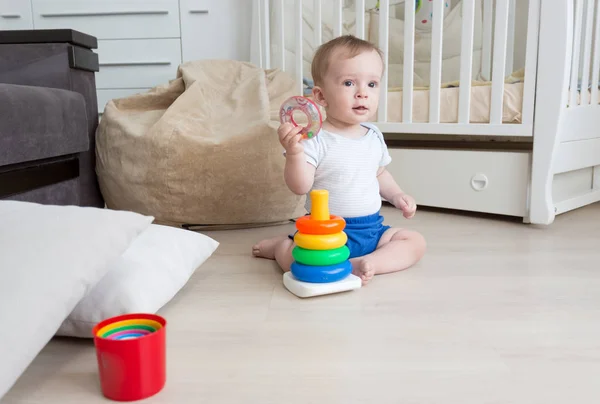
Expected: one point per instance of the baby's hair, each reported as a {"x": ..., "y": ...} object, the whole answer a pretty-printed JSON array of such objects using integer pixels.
[{"x": 352, "y": 45}]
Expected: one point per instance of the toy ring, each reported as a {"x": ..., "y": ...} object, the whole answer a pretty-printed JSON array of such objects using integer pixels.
[
  {"x": 321, "y": 274},
  {"x": 308, "y": 225},
  {"x": 320, "y": 257},
  {"x": 151, "y": 323},
  {"x": 127, "y": 328},
  {"x": 320, "y": 241},
  {"x": 128, "y": 336},
  {"x": 134, "y": 331},
  {"x": 309, "y": 108}
]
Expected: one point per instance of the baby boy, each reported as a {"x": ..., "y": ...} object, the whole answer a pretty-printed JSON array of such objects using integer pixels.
[{"x": 348, "y": 159}]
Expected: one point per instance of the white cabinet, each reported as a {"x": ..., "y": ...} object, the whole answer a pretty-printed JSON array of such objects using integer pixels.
[
  {"x": 15, "y": 14},
  {"x": 141, "y": 42},
  {"x": 215, "y": 29}
]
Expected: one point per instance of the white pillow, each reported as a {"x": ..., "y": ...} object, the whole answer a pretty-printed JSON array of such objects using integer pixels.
[
  {"x": 148, "y": 275},
  {"x": 50, "y": 257}
]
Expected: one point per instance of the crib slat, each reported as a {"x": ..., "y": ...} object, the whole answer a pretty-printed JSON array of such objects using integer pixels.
[
  {"x": 576, "y": 53},
  {"x": 436, "y": 61},
  {"x": 510, "y": 42},
  {"x": 499, "y": 64},
  {"x": 384, "y": 21},
  {"x": 266, "y": 38},
  {"x": 596, "y": 66},
  {"x": 409, "y": 61},
  {"x": 486, "y": 52},
  {"x": 337, "y": 12},
  {"x": 531, "y": 61},
  {"x": 298, "y": 50},
  {"x": 360, "y": 19},
  {"x": 318, "y": 23},
  {"x": 466, "y": 60},
  {"x": 281, "y": 33},
  {"x": 587, "y": 51}
]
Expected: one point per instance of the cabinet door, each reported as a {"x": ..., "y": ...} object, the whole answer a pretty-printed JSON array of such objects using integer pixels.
[
  {"x": 110, "y": 19},
  {"x": 137, "y": 63},
  {"x": 15, "y": 14},
  {"x": 215, "y": 29}
]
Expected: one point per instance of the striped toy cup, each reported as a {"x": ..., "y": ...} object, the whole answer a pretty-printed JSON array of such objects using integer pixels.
[{"x": 131, "y": 355}]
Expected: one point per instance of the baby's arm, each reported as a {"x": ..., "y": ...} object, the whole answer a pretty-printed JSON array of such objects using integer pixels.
[
  {"x": 391, "y": 192},
  {"x": 299, "y": 175},
  {"x": 388, "y": 188}
]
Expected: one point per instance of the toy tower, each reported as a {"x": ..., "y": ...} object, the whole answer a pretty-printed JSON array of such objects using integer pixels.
[{"x": 321, "y": 264}]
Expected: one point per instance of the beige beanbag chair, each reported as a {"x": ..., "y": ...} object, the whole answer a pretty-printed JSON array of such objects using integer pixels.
[{"x": 200, "y": 150}]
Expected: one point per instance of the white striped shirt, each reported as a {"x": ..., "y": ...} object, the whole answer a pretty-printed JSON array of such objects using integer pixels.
[{"x": 347, "y": 168}]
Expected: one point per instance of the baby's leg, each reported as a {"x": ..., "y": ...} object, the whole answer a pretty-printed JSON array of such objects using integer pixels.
[
  {"x": 277, "y": 248},
  {"x": 397, "y": 249}
]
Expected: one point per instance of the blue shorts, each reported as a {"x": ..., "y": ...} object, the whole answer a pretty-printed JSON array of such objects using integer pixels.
[{"x": 363, "y": 234}]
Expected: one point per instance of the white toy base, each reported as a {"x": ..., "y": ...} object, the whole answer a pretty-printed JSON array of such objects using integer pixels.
[{"x": 307, "y": 289}]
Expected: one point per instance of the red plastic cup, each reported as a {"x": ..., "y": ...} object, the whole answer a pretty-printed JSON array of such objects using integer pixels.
[{"x": 131, "y": 369}]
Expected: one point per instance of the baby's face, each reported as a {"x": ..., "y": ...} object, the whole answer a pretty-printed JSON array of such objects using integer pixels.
[{"x": 351, "y": 87}]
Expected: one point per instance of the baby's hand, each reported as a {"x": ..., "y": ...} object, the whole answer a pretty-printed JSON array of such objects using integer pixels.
[
  {"x": 406, "y": 203},
  {"x": 289, "y": 137}
]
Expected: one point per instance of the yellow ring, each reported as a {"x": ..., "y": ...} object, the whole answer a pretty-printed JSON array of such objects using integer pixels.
[
  {"x": 140, "y": 321},
  {"x": 320, "y": 241}
]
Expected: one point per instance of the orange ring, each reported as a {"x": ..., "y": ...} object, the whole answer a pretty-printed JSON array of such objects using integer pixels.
[{"x": 308, "y": 225}]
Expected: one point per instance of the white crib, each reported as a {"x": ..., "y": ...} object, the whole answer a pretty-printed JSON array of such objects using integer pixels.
[{"x": 493, "y": 106}]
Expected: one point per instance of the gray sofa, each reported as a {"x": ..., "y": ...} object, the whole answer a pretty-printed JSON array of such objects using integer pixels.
[{"x": 48, "y": 117}]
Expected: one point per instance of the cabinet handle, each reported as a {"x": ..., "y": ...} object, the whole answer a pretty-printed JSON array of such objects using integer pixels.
[
  {"x": 479, "y": 182},
  {"x": 104, "y": 13},
  {"x": 138, "y": 63},
  {"x": 198, "y": 11},
  {"x": 10, "y": 15}
]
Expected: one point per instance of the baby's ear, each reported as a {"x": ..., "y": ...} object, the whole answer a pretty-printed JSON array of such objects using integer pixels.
[{"x": 318, "y": 96}]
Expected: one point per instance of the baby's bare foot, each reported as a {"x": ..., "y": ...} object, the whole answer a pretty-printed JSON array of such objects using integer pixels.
[
  {"x": 363, "y": 269},
  {"x": 266, "y": 248}
]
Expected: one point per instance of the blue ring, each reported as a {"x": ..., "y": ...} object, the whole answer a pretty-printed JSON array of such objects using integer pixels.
[
  {"x": 321, "y": 274},
  {"x": 135, "y": 335}
]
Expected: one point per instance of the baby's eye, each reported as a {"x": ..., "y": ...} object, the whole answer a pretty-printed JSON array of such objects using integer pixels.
[
  {"x": 372, "y": 84},
  {"x": 348, "y": 83}
]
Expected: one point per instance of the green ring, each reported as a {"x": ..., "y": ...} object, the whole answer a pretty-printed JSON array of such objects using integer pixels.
[
  {"x": 129, "y": 327},
  {"x": 320, "y": 257}
]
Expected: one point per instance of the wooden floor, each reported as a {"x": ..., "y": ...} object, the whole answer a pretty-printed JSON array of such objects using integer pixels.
[{"x": 497, "y": 312}]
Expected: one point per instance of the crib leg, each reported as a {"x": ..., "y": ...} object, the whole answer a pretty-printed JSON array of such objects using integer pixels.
[{"x": 541, "y": 208}]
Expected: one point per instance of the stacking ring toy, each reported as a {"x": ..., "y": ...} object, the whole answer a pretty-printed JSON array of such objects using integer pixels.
[
  {"x": 154, "y": 325},
  {"x": 320, "y": 241},
  {"x": 309, "y": 108},
  {"x": 131, "y": 355},
  {"x": 321, "y": 274},
  {"x": 320, "y": 257},
  {"x": 127, "y": 329}
]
